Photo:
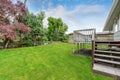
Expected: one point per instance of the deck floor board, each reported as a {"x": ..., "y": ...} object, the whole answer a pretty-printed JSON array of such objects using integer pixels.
[{"x": 107, "y": 69}]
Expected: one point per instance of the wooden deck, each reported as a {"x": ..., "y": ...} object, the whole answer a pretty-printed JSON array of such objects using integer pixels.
[
  {"x": 107, "y": 70},
  {"x": 106, "y": 61}
]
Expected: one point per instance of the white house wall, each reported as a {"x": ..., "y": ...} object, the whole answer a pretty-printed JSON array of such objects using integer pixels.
[
  {"x": 117, "y": 36},
  {"x": 117, "y": 33}
]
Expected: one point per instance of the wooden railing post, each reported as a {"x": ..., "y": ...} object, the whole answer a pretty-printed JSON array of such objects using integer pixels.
[{"x": 93, "y": 49}]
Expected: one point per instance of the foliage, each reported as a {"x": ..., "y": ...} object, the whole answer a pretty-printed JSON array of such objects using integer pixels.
[
  {"x": 11, "y": 17},
  {"x": 56, "y": 29},
  {"x": 10, "y": 31},
  {"x": 46, "y": 63},
  {"x": 37, "y": 34},
  {"x": 9, "y": 10}
]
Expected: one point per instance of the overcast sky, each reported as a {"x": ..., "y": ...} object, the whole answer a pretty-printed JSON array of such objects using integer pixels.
[{"x": 77, "y": 14}]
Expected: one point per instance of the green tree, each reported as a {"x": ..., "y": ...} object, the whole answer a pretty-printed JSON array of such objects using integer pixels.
[
  {"x": 37, "y": 31},
  {"x": 56, "y": 29}
]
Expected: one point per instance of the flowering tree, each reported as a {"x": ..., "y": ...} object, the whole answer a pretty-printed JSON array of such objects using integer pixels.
[{"x": 11, "y": 20}]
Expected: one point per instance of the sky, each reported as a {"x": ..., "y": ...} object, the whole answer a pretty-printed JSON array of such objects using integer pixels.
[{"x": 77, "y": 14}]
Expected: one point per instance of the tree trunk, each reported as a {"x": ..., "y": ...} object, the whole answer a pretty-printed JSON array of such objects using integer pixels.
[{"x": 6, "y": 44}]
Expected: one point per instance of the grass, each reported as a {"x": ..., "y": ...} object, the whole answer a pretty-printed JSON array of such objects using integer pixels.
[{"x": 49, "y": 62}]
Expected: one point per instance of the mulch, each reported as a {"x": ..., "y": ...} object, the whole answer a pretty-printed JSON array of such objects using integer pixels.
[{"x": 86, "y": 52}]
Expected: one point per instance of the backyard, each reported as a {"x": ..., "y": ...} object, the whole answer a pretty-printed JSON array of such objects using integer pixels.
[
  {"x": 47, "y": 62},
  {"x": 59, "y": 40}
]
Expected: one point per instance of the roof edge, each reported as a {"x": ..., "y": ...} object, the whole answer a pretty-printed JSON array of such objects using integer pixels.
[{"x": 115, "y": 2}]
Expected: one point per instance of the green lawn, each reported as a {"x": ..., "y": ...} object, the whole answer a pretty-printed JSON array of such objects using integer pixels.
[{"x": 49, "y": 62}]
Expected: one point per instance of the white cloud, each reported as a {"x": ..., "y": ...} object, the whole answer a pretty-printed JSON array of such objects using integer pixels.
[
  {"x": 86, "y": 9},
  {"x": 81, "y": 17}
]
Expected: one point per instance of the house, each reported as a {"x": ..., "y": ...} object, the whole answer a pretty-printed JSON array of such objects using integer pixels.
[
  {"x": 105, "y": 45},
  {"x": 106, "y": 53},
  {"x": 113, "y": 20}
]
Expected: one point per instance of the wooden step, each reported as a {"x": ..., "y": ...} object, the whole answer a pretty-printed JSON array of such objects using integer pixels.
[
  {"x": 107, "y": 56},
  {"x": 97, "y": 41},
  {"x": 114, "y": 48},
  {"x": 107, "y": 51},
  {"x": 107, "y": 70},
  {"x": 107, "y": 41},
  {"x": 114, "y": 45},
  {"x": 107, "y": 61}
]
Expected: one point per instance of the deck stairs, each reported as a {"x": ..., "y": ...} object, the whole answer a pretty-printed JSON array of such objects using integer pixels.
[{"x": 106, "y": 58}]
